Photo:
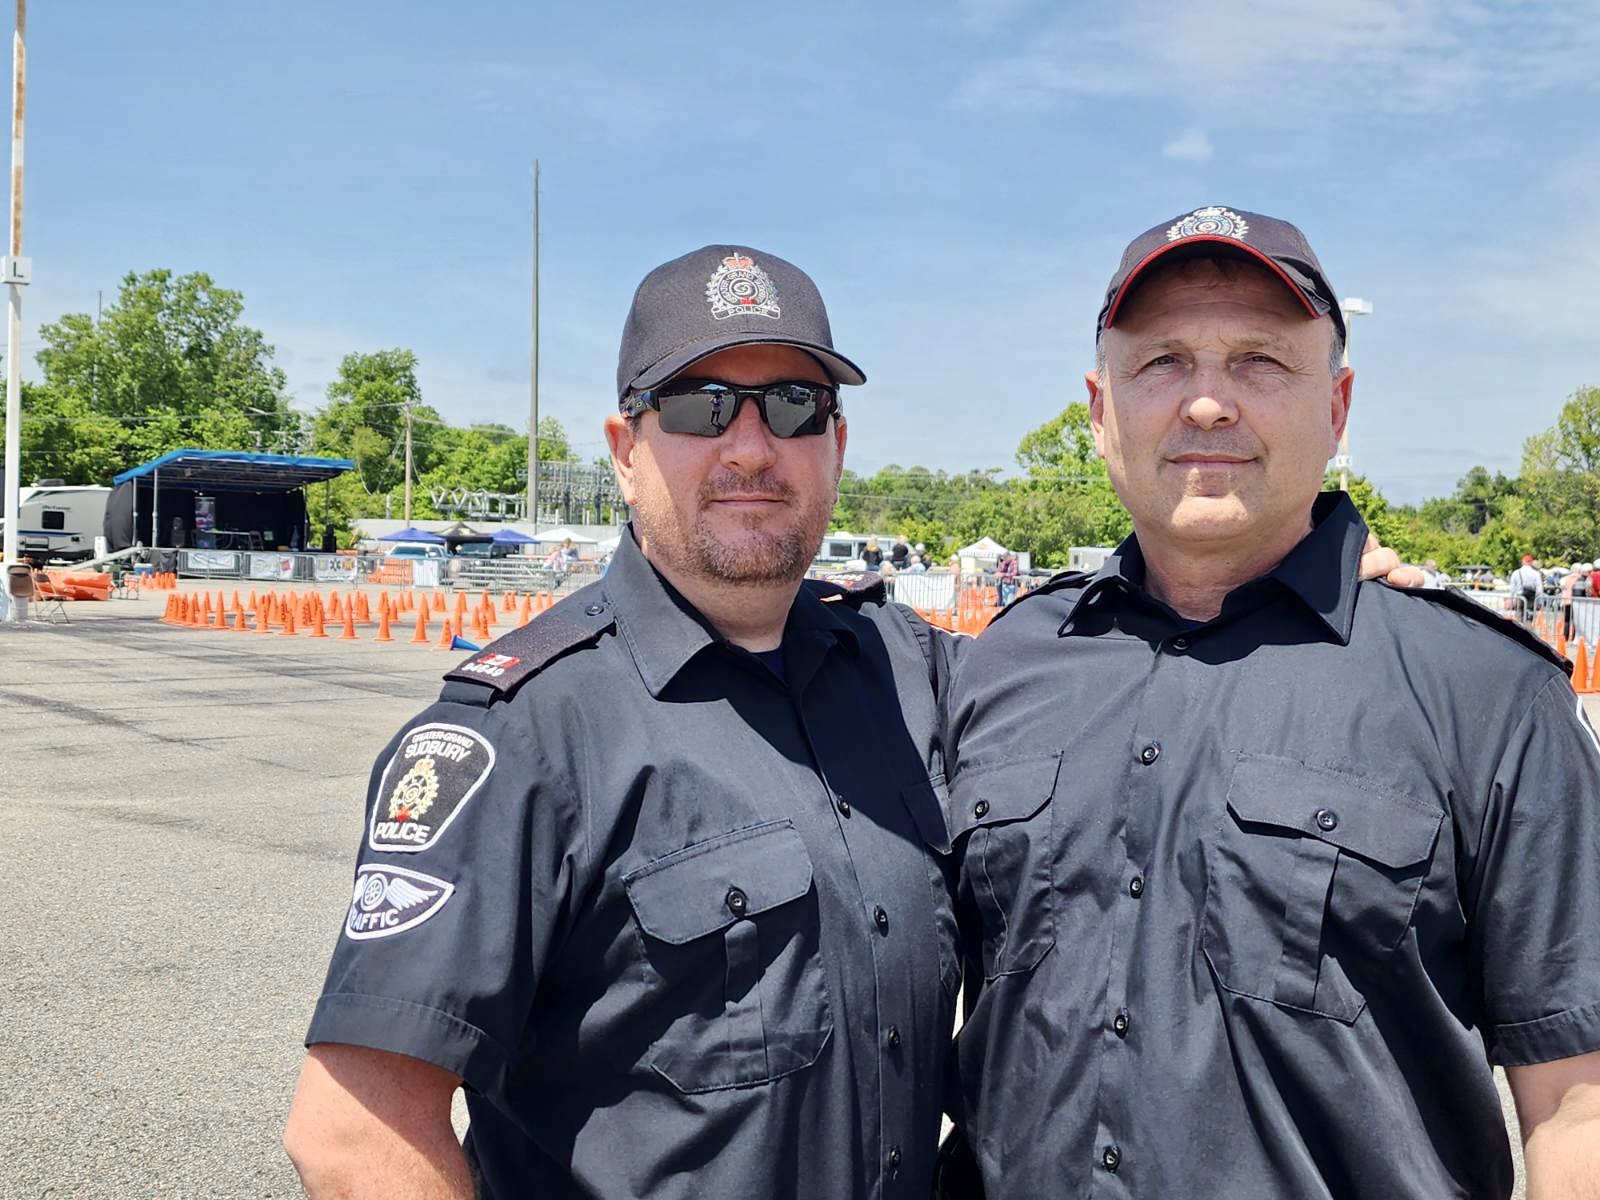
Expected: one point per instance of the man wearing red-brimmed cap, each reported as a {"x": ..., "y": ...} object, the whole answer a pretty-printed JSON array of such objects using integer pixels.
[{"x": 1258, "y": 878}]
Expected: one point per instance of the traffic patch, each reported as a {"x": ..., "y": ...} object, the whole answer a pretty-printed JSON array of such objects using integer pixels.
[{"x": 390, "y": 900}]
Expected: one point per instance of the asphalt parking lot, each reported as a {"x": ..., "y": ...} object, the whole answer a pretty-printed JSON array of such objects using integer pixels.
[{"x": 181, "y": 810}]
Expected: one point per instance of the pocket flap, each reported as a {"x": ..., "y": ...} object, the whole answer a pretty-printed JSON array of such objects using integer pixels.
[
  {"x": 684, "y": 895},
  {"x": 929, "y": 801},
  {"x": 1355, "y": 814},
  {"x": 985, "y": 794}
]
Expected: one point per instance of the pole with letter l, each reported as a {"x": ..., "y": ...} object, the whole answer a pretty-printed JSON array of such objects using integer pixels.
[
  {"x": 533, "y": 370},
  {"x": 17, "y": 273}
]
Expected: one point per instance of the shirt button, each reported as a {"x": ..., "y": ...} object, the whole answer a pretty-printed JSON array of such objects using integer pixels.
[
  {"x": 1180, "y": 644},
  {"x": 894, "y": 1159},
  {"x": 1327, "y": 819},
  {"x": 1119, "y": 1024},
  {"x": 1136, "y": 886},
  {"x": 1111, "y": 1158},
  {"x": 843, "y": 805},
  {"x": 894, "y": 1035},
  {"x": 980, "y": 809},
  {"x": 880, "y": 918},
  {"x": 737, "y": 902},
  {"x": 1150, "y": 753}
]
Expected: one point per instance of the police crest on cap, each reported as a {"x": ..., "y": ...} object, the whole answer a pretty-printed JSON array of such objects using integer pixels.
[
  {"x": 1210, "y": 222},
  {"x": 739, "y": 287}
]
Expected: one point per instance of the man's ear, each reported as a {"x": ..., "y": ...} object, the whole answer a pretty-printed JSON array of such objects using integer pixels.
[
  {"x": 1343, "y": 382},
  {"x": 623, "y": 445},
  {"x": 1097, "y": 410},
  {"x": 841, "y": 435}
]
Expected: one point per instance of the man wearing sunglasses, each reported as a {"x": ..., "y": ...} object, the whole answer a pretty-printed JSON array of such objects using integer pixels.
[{"x": 661, "y": 877}]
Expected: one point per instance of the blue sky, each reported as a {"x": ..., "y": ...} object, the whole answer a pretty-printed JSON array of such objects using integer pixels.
[{"x": 960, "y": 178}]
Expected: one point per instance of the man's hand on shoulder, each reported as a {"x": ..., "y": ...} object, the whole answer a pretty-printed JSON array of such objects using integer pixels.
[
  {"x": 1380, "y": 562},
  {"x": 366, "y": 1123}
]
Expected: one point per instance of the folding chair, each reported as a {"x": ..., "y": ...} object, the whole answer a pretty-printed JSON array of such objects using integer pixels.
[{"x": 47, "y": 602}]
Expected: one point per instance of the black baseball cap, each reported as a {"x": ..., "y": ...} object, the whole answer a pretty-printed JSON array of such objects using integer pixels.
[
  {"x": 1276, "y": 245},
  {"x": 721, "y": 296}
]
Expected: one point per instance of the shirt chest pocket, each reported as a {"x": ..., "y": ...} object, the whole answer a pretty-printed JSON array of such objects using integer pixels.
[
  {"x": 729, "y": 931},
  {"x": 1311, "y": 882},
  {"x": 1001, "y": 825}
]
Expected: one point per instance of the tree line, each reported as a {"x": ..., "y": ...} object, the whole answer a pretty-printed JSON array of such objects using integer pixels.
[{"x": 172, "y": 364}]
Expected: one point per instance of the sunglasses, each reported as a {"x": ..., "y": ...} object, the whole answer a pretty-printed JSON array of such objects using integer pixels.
[{"x": 706, "y": 408}]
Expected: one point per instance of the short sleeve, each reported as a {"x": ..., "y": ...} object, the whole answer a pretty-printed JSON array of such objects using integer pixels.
[
  {"x": 1534, "y": 903},
  {"x": 469, "y": 848}
]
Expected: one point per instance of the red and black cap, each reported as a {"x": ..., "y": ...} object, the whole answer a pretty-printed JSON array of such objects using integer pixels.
[
  {"x": 717, "y": 297},
  {"x": 1276, "y": 245}
]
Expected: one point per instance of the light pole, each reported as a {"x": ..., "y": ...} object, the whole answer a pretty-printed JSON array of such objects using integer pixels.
[
  {"x": 18, "y": 272},
  {"x": 1352, "y": 308}
]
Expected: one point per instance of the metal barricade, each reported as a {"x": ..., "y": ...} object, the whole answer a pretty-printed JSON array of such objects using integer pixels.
[{"x": 520, "y": 574}]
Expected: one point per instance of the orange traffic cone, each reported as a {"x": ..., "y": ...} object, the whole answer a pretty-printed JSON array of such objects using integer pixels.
[
  {"x": 420, "y": 637},
  {"x": 220, "y": 620},
  {"x": 447, "y": 636},
  {"x": 319, "y": 628},
  {"x": 205, "y": 609},
  {"x": 264, "y": 614},
  {"x": 363, "y": 613},
  {"x": 383, "y": 625},
  {"x": 288, "y": 629},
  {"x": 461, "y": 609},
  {"x": 480, "y": 625},
  {"x": 508, "y": 602},
  {"x": 335, "y": 609},
  {"x": 349, "y": 633},
  {"x": 525, "y": 613},
  {"x": 1581, "y": 682}
]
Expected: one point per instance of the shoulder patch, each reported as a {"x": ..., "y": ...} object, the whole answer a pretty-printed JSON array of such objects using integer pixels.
[
  {"x": 507, "y": 662},
  {"x": 853, "y": 588},
  {"x": 1471, "y": 608},
  {"x": 1056, "y": 583}
]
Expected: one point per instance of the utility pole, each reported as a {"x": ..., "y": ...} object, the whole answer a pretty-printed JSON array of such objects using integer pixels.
[
  {"x": 533, "y": 371},
  {"x": 408, "y": 464},
  {"x": 18, "y": 271}
]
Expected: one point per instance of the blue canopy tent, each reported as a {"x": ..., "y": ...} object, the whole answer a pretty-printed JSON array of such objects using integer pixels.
[
  {"x": 253, "y": 499},
  {"x": 511, "y": 537},
  {"x": 411, "y": 534}
]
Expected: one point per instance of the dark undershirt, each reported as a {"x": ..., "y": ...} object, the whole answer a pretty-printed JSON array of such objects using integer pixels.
[{"x": 774, "y": 661}]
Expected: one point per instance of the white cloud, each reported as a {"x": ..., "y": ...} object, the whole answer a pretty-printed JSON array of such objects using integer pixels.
[
  {"x": 1375, "y": 55},
  {"x": 1193, "y": 146}
]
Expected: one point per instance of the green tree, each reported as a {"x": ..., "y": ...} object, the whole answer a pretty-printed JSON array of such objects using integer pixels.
[{"x": 169, "y": 364}]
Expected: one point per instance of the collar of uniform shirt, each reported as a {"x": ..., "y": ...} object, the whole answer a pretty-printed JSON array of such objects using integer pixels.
[
  {"x": 664, "y": 631},
  {"x": 1323, "y": 570}
]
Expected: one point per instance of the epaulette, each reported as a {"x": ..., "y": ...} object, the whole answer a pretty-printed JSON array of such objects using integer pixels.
[
  {"x": 1471, "y": 608},
  {"x": 510, "y": 661},
  {"x": 1056, "y": 582},
  {"x": 854, "y": 588}
]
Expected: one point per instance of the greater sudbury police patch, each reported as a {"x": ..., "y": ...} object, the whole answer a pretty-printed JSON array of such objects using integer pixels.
[
  {"x": 1210, "y": 222},
  {"x": 390, "y": 900},
  {"x": 429, "y": 780},
  {"x": 739, "y": 287}
]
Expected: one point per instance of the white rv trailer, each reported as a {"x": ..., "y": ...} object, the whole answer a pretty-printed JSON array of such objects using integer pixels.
[{"x": 59, "y": 522}]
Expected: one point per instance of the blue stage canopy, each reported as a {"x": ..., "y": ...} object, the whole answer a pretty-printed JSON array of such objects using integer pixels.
[
  {"x": 511, "y": 537},
  {"x": 237, "y": 470}
]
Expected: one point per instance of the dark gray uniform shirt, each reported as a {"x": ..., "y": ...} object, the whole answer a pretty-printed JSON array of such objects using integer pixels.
[
  {"x": 683, "y": 926},
  {"x": 1256, "y": 903}
]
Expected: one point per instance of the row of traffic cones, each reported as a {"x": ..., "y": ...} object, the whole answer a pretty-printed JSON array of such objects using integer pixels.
[
  {"x": 159, "y": 581},
  {"x": 294, "y": 613}
]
